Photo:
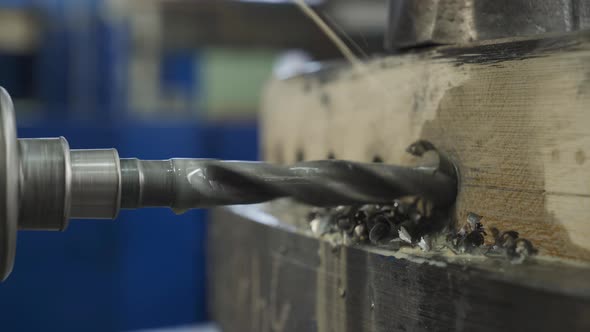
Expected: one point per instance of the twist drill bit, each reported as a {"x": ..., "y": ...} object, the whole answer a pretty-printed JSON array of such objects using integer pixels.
[{"x": 200, "y": 183}]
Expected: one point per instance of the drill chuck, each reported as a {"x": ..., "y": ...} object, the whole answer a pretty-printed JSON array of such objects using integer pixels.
[{"x": 57, "y": 184}]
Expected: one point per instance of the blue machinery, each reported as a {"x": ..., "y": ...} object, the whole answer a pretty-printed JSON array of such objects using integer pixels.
[{"x": 147, "y": 269}]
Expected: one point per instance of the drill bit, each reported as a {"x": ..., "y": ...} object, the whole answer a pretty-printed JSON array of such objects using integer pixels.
[{"x": 200, "y": 183}]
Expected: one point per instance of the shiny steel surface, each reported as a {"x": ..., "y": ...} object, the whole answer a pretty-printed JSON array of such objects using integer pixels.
[
  {"x": 414, "y": 23},
  {"x": 96, "y": 184},
  {"x": 9, "y": 166},
  {"x": 44, "y": 187}
]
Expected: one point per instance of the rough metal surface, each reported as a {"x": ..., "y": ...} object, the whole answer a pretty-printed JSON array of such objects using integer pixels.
[
  {"x": 427, "y": 22},
  {"x": 268, "y": 276},
  {"x": 511, "y": 114}
]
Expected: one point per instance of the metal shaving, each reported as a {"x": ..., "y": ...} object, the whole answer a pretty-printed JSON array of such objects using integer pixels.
[
  {"x": 471, "y": 238},
  {"x": 413, "y": 222},
  {"x": 407, "y": 221}
]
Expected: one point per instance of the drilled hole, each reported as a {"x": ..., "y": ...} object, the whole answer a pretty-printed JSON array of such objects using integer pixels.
[
  {"x": 377, "y": 159},
  {"x": 299, "y": 155},
  {"x": 331, "y": 155}
]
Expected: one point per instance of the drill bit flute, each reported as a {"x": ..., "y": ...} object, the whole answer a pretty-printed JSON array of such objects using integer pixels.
[{"x": 44, "y": 183}]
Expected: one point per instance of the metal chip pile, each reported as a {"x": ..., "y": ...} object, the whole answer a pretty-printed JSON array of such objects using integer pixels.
[
  {"x": 471, "y": 238},
  {"x": 405, "y": 222},
  {"x": 414, "y": 222}
]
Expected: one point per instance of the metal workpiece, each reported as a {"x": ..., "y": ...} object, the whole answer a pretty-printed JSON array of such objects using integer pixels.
[
  {"x": 426, "y": 22},
  {"x": 365, "y": 288},
  {"x": 44, "y": 183}
]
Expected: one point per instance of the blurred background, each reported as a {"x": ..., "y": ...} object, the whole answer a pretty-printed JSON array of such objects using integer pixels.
[{"x": 155, "y": 79}]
